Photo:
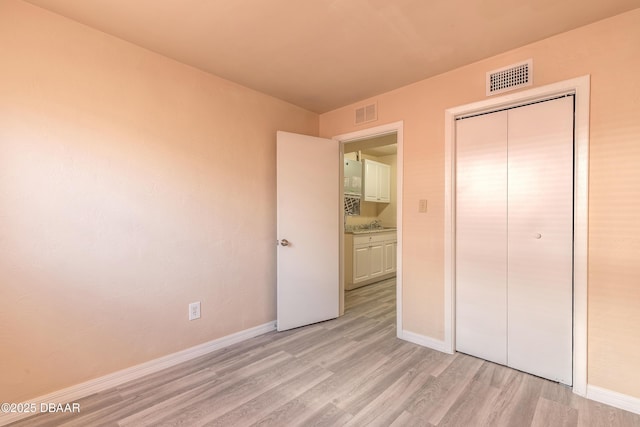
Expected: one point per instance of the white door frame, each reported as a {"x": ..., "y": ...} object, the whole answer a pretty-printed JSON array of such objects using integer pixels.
[
  {"x": 397, "y": 128},
  {"x": 579, "y": 86}
]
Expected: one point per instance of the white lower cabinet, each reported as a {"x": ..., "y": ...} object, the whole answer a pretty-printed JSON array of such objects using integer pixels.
[
  {"x": 390, "y": 253},
  {"x": 369, "y": 257},
  {"x": 361, "y": 263},
  {"x": 376, "y": 256}
]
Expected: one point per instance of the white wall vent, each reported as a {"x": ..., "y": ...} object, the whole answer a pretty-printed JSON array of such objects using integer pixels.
[
  {"x": 510, "y": 77},
  {"x": 367, "y": 113}
]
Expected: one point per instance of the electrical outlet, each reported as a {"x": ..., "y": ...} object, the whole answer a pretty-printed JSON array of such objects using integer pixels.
[{"x": 194, "y": 310}]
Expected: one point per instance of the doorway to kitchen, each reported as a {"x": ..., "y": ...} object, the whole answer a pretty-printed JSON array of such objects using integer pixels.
[{"x": 371, "y": 245}]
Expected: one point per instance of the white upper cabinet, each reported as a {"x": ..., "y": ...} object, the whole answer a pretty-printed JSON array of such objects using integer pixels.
[{"x": 377, "y": 182}]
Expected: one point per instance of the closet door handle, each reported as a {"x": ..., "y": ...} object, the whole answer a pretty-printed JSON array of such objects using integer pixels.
[{"x": 538, "y": 236}]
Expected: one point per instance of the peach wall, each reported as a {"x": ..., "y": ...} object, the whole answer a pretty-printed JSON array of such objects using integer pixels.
[
  {"x": 609, "y": 50},
  {"x": 130, "y": 186}
]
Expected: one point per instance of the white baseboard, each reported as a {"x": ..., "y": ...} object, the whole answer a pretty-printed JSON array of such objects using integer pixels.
[
  {"x": 613, "y": 398},
  {"x": 78, "y": 391},
  {"x": 424, "y": 341}
]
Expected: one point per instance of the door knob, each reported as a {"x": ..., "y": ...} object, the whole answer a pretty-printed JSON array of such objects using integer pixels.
[
  {"x": 537, "y": 236},
  {"x": 284, "y": 242}
]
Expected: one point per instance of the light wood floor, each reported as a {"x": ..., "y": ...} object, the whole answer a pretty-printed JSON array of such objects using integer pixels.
[{"x": 348, "y": 371}]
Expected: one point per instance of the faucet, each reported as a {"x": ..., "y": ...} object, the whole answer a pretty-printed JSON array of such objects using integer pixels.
[{"x": 375, "y": 224}]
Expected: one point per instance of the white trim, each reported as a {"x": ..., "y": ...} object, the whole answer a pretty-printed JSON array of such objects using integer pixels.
[
  {"x": 78, "y": 391},
  {"x": 581, "y": 234},
  {"x": 449, "y": 270},
  {"x": 580, "y": 86},
  {"x": 424, "y": 341},
  {"x": 613, "y": 398},
  {"x": 397, "y": 128}
]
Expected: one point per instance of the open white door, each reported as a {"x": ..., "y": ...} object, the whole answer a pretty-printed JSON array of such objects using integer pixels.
[{"x": 308, "y": 229}]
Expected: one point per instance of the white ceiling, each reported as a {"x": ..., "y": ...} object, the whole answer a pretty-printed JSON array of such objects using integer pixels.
[{"x": 324, "y": 54}]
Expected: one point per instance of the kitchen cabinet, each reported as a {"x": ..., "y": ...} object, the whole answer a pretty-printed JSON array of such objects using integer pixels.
[
  {"x": 377, "y": 182},
  {"x": 368, "y": 260},
  {"x": 353, "y": 177},
  {"x": 390, "y": 253},
  {"x": 369, "y": 257}
]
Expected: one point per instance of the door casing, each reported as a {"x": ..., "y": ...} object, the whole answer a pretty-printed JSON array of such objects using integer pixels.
[{"x": 581, "y": 88}]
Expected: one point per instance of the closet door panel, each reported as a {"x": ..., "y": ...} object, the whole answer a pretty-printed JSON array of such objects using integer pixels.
[
  {"x": 481, "y": 235},
  {"x": 540, "y": 239}
]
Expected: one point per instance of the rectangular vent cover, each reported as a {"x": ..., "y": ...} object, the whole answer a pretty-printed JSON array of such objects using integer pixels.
[
  {"x": 368, "y": 113},
  {"x": 510, "y": 77}
]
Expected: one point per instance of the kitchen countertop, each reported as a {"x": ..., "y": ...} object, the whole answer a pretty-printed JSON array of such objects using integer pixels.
[{"x": 373, "y": 230}]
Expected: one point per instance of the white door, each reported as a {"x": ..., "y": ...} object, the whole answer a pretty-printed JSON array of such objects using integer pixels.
[
  {"x": 384, "y": 183},
  {"x": 514, "y": 237},
  {"x": 308, "y": 214},
  {"x": 370, "y": 181},
  {"x": 376, "y": 252},
  {"x": 390, "y": 257},
  {"x": 361, "y": 263},
  {"x": 481, "y": 236},
  {"x": 541, "y": 239}
]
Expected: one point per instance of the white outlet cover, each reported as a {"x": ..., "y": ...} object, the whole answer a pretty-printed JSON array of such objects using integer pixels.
[{"x": 194, "y": 310}]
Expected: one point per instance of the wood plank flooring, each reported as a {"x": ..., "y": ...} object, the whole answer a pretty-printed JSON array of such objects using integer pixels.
[{"x": 350, "y": 371}]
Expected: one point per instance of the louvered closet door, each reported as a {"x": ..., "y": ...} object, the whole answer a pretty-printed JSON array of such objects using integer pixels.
[
  {"x": 540, "y": 239},
  {"x": 481, "y": 236}
]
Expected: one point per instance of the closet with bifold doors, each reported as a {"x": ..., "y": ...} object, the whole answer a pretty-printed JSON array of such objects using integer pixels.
[{"x": 514, "y": 237}]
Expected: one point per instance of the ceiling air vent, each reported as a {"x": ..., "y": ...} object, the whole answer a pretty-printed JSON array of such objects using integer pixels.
[
  {"x": 510, "y": 77},
  {"x": 368, "y": 113}
]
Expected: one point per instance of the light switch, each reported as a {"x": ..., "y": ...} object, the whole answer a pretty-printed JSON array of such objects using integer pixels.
[{"x": 422, "y": 206}]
